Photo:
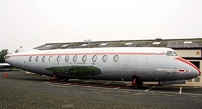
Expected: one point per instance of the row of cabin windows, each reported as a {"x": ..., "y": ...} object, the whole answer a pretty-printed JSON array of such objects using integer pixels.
[{"x": 84, "y": 58}]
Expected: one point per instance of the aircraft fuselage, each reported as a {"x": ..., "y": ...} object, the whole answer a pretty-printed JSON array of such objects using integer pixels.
[{"x": 117, "y": 63}]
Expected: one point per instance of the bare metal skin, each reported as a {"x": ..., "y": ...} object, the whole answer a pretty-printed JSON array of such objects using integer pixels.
[{"x": 116, "y": 63}]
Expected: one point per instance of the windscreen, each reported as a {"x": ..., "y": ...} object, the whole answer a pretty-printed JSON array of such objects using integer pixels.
[{"x": 171, "y": 53}]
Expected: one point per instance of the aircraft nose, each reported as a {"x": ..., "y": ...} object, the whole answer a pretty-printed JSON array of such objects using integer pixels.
[
  {"x": 7, "y": 58},
  {"x": 198, "y": 72}
]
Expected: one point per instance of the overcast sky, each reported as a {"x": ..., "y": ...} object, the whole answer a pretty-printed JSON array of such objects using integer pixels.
[{"x": 31, "y": 23}]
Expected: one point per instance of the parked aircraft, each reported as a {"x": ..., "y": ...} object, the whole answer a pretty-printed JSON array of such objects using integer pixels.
[
  {"x": 4, "y": 65},
  {"x": 136, "y": 64}
]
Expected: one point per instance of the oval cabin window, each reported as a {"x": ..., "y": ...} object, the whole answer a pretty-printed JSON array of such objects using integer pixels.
[
  {"x": 37, "y": 58},
  {"x": 58, "y": 58},
  {"x": 116, "y": 58},
  {"x": 50, "y": 59},
  {"x": 75, "y": 58},
  {"x": 84, "y": 58},
  {"x": 104, "y": 58},
  {"x": 43, "y": 58},
  {"x": 94, "y": 58},
  {"x": 30, "y": 58},
  {"x": 66, "y": 58}
]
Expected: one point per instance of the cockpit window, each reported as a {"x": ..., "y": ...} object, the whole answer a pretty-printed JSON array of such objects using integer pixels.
[
  {"x": 171, "y": 53},
  {"x": 174, "y": 53}
]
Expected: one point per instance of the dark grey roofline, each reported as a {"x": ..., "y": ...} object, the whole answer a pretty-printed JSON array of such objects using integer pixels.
[
  {"x": 132, "y": 40},
  {"x": 171, "y": 43}
]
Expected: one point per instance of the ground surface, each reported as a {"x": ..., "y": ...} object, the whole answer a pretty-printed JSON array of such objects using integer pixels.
[{"x": 28, "y": 91}]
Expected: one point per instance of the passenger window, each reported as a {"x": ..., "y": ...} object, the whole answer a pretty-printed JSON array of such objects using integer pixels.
[
  {"x": 37, "y": 58},
  {"x": 50, "y": 59},
  {"x": 84, "y": 58},
  {"x": 43, "y": 58},
  {"x": 67, "y": 58},
  {"x": 58, "y": 58},
  {"x": 94, "y": 58},
  {"x": 30, "y": 58},
  {"x": 116, "y": 58},
  {"x": 75, "y": 58},
  {"x": 104, "y": 58}
]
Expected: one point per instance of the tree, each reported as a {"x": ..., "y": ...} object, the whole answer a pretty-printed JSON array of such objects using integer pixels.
[{"x": 3, "y": 53}]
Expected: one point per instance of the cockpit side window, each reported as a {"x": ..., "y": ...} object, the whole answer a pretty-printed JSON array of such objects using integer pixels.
[
  {"x": 171, "y": 53},
  {"x": 174, "y": 53}
]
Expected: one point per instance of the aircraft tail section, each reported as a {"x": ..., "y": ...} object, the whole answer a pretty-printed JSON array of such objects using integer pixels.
[{"x": 25, "y": 49}]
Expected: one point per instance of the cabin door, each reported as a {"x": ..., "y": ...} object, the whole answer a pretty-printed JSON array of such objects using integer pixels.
[
  {"x": 128, "y": 66},
  {"x": 169, "y": 65},
  {"x": 125, "y": 70},
  {"x": 23, "y": 62},
  {"x": 161, "y": 73},
  {"x": 143, "y": 66}
]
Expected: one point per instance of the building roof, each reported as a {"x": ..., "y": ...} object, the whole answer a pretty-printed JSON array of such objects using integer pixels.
[{"x": 171, "y": 43}]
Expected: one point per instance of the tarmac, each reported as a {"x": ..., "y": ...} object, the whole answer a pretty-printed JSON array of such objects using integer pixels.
[{"x": 30, "y": 91}]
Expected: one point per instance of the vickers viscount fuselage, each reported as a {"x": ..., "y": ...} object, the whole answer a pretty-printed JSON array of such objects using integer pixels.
[{"x": 135, "y": 64}]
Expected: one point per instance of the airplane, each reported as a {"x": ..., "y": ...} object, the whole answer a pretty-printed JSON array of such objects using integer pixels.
[
  {"x": 4, "y": 65},
  {"x": 135, "y": 64}
]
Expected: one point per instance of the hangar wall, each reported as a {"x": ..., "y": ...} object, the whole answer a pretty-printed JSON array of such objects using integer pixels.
[{"x": 189, "y": 53}]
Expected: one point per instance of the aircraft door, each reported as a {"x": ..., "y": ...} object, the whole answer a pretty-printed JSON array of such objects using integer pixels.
[
  {"x": 162, "y": 66},
  {"x": 129, "y": 67},
  {"x": 170, "y": 65},
  {"x": 23, "y": 62},
  {"x": 143, "y": 66}
]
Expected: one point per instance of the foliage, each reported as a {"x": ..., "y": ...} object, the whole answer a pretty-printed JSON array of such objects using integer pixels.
[{"x": 3, "y": 53}]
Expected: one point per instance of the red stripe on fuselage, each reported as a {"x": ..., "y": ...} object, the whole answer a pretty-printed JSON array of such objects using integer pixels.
[{"x": 187, "y": 62}]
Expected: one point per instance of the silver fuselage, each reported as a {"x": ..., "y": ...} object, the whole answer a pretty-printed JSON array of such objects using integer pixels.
[{"x": 119, "y": 63}]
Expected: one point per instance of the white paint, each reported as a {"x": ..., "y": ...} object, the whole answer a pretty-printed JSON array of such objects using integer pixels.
[
  {"x": 149, "y": 89},
  {"x": 180, "y": 90}
]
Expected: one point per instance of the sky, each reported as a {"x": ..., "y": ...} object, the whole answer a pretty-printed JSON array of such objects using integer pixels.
[{"x": 31, "y": 23}]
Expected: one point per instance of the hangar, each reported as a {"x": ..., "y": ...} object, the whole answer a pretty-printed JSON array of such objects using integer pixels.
[{"x": 190, "y": 49}]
